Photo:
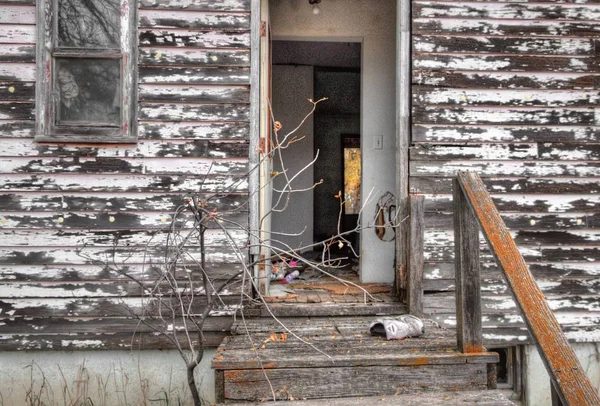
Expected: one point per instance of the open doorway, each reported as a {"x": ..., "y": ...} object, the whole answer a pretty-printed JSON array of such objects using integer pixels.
[{"x": 347, "y": 54}]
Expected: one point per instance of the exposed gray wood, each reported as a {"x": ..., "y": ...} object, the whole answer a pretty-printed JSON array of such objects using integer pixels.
[
  {"x": 468, "y": 289},
  {"x": 506, "y": 10},
  {"x": 471, "y": 397},
  {"x": 423, "y": 95},
  {"x": 254, "y": 130},
  {"x": 192, "y": 94},
  {"x": 191, "y": 112},
  {"x": 515, "y": 80},
  {"x": 497, "y": 63},
  {"x": 17, "y": 34},
  {"x": 197, "y": 57},
  {"x": 565, "y": 371},
  {"x": 17, "y": 53},
  {"x": 505, "y": 27},
  {"x": 403, "y": 136},
  {"x": 213, "y": 5},
  {"x": 17, "y": 14},
  {"x": 199, "y": 75},
  {"x": 193, "y": 20},
  {"x": 508, "y": 45},
  {"x": 578, "y": 171},
  {"x": 416, "y": 251},
  {"x": 98, "y": 341},
  {"x": 17, "y": 72},
  {"x": 192, "y": 130},
  {"x": 194, "y": 39},
  {"x": 504, "y": 116},
  {"x": 333, "y": 309},
  {"x": 122, "y": 183},
  {"x": 313, "y": 382}
]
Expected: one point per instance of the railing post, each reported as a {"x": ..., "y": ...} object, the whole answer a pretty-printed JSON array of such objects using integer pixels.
[
  {"x": 415, "y": 258},
  {"x": 469, "y": 335}
]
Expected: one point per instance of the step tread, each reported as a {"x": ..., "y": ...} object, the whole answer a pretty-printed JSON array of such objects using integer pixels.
[
  {"x": 337, "y": 342},
  {"x": 481, "y": 398}
]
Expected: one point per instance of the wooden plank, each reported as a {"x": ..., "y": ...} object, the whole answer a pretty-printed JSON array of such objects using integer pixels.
[
  {"x": 415, "y": 260},
  {"x": 17, "y": 34},
  {"x": 122, "y": 183},
  {"x": 115, "y": 289},
  {"x": 99, "y": 341},
  {"x": 540, "y": 270},
  {"x": 214, "y": 5},
  {"x": 114, "y": 202},
  {"x": 195, "y": 57},
  {"x": 403, "y": 116},
  {"x": 494, "y": 133},
  {"x": 17, "y": 53},
  {"x": 508, "y": 200},
  {"x": 110, "y": 220},
  {"x": 17, "y": 110},
  {"x": 197, "y": 148},
  {"x": 17, "y": 14},
  {"x": 315, "y": 383},
  {"x": 575, "y": 173},
  {"x": 193, "y": 20},
  {"x": 191, "y": 112},
  {"x": 506, "y": 10},
  {"x": 526, "y": 221},
  {"x": 105, "y": 165},
  {"x": 504, "y": 116},
  {"x": 487, "y": 27},
  {"x": 561, "y": 362},
  {"x": 194, "y": 39},
  {"x": 192, "y": 75},
  {"x": 500, "y": 151},
  {"x": 106, "y": 325},
  {"x": 468, "y": 289},
  {"x": 191, "y": 130},
  {"x": 134, "y": 239},
  {"x": 504, "y": 63},
  {"x": 513, "y": 80},
  {"x": 17, "y": 91},
  {"x": 83, "y": 272},
  {"x": 480, "y": 398},
  {"x": 504, "y": 45},
  {"x": 192, "y": 94},
  {"x": 426, "y": 96}
]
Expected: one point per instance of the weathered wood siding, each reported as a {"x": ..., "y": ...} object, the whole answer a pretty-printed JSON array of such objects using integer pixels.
[
  {"x": 510, "y": 89},
  {"x": 62, "y": 206}
]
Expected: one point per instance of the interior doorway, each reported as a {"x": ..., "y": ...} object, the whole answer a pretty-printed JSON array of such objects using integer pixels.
[{"x": 347, "y": 54}]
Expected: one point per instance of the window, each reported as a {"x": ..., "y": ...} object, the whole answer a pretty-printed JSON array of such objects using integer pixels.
[{"x": 86, "y": 71}]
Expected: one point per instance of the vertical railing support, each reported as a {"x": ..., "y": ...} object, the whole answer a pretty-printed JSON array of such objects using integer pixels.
[
  {"x": 415, "y": 255},
  {"x": 469, "y": 334}
]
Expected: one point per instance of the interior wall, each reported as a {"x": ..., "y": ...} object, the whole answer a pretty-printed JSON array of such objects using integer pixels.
[
  {"x": 292, "y": 87},
  {"x": 373, "y": 24}
]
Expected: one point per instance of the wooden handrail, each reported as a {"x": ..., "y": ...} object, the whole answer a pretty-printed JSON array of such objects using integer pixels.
[{"x": 472, "y": 201}]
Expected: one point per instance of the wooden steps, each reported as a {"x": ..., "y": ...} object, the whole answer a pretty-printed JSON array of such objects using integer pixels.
[
  {"x": 479, "y": 398},
  {"x": 339, "y": 358}
]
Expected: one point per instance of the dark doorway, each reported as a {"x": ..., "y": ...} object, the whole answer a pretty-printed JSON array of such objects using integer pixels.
[{"x": 337, "y": 76}]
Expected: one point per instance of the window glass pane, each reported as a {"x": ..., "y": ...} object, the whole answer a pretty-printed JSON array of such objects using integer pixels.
[
  {"x": 88, "y": 91},
  {"x": 89, "y": 23}
]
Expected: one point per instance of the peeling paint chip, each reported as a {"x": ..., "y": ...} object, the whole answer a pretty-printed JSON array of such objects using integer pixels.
[{"x": 158, "y": 55}]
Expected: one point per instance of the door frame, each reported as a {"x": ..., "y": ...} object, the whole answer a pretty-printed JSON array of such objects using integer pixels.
[{"x": 403, "y": 139}]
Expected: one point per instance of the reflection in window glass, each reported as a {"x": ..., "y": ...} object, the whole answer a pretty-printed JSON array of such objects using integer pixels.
[
  {"x": 88, "y": 23},
  {"x": 352, "y": 180},
  {"x": 88, "y": 90}
]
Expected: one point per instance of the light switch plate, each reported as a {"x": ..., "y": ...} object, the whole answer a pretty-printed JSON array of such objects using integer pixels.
[{"x": 378, "y": 144}]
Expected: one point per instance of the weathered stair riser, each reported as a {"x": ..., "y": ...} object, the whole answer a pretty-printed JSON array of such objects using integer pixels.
[{"x": 254, "y": 366}]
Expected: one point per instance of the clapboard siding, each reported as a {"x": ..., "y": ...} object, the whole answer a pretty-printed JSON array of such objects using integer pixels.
[
  {"x": 511, "y": 89},
  {"x": 77, "y": 220}
]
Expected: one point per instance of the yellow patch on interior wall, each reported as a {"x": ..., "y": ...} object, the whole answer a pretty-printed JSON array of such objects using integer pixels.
[{"x": 352, "y": 169}]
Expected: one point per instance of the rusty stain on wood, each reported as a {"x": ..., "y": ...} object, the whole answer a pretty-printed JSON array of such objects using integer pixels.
[{"x": 566, "y": 373}]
